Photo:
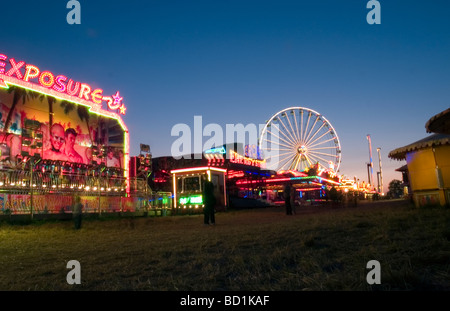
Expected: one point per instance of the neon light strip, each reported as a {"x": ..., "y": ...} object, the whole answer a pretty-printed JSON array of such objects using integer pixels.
[
  {"x": 203, "y": 168},
  {"x": 96, "y": 109},
  {"x": 46, "y": 91},
  {"x": 174, "y": 184},
  {"x": 308, "y": 189},
  {"x": 289, "y": 179},
  {"x": 126, "y": 159}
]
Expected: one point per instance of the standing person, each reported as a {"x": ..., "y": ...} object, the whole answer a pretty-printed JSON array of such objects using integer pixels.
[
  {"x": 287, "y": 199},
  {"x": 293, "y": 193},
  {"x": 77, "y": 212},
  {"x": 210, "y": 201}
]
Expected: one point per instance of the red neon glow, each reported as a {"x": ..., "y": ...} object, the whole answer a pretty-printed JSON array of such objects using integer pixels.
[
  {"x": 74, "y": 90},
  {"x": 58, "y": 83},
  {"x": 97, "y": 96},
  {"x": 108, "y": 100},
  {"x": 15, "y": 68},
  {"x": 202, "y": 168},
  {"x": 84, "y": 92},
  {"x": 56, "y": 87},
  {"x": 29, "y": 74},
  {"x": 239, "y": 159},
  {"x": 46, "y": 79},
  {"x": 235, "y": 174},
  {"x": 117, "y": 101},
  {"x": 308, "y": 189},
  {"x": 2, "y": 63}
]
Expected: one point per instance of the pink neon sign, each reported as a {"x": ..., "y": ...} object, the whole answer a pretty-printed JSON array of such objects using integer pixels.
[
  {"x": 60, "y": 83},
  {"x": 239, "y": 159}
]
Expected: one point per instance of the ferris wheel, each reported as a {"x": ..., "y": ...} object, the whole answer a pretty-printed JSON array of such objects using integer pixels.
[{"x": 298, "y": 138}]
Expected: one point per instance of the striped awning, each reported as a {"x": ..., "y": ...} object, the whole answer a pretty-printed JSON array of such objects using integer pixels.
[{"x": 439, "y": 123}]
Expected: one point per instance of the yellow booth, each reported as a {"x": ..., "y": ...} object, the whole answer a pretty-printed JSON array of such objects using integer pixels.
[{"x": 428, "y": 162}]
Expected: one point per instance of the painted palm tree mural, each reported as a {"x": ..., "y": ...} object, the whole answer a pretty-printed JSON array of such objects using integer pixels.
[
  {"x": 20, "y": 95},
  {"x": 51, "y": 100},
  {"x": 82, "y": 112}
]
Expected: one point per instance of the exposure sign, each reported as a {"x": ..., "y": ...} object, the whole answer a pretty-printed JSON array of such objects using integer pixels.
[{"x": 28, "y": 73}]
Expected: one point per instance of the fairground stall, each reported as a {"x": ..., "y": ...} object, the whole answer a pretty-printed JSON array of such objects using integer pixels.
[
  {"x": 188, "y": 187},
  {"x": 60, "y": 137},
  {"x": 223, "y": 166}
]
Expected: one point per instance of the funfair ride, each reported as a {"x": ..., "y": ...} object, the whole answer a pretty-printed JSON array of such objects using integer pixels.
[{"x": 298, "y": 138}]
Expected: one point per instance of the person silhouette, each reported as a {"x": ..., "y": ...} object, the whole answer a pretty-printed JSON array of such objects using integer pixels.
[
  {"x": 287, "y": 199},
  {"x": 209, "y": 201}
]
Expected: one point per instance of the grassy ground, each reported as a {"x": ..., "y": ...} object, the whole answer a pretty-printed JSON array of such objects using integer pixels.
[{"x": 319, "y": 248}]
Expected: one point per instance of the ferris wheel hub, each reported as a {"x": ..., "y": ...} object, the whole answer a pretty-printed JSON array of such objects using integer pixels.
[{"x": 302, "y": 149}]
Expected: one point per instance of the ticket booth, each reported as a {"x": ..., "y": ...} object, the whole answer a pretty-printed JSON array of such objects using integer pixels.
[{"x": 188, "y": 188}]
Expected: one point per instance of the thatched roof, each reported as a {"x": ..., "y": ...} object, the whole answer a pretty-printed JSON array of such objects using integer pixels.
[
  {"x": 439, "y": 123},
  {"x": 430, "y": 141}
]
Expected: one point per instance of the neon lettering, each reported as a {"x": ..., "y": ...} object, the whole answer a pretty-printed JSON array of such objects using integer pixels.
[
  {"x": 84, "y": 92},
  {"x": 59, "y": 85},
  {"x": 2, "y": 64},
  {"x": 47, "y": 79},
  {"x": 31, "y": 72},
  {"x": 15, "y": 68},
  {"x": 97, "y": 96},
  {"x": 74, "y": 90}
]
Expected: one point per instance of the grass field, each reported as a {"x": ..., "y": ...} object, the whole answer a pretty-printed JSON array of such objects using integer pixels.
[{"x": 317, "y": 249}]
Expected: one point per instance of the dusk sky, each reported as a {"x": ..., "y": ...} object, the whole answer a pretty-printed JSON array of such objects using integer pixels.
[{"x": 243, "y": 61}]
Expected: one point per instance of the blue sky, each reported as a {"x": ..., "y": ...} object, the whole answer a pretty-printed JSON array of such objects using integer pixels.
[{"x": 243, "y": 61}]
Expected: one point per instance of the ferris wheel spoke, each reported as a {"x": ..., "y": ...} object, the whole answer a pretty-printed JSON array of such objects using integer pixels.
[
  {"x": 320, "y": 148},
  {"x": 287, "y": 159},
  {"x": 309, "y": 137},
  {"x": 277, "y": 144},
  {"x": 288, "y": 141},
  {"x": 289, "y": 144},
  {"x": 277, "y": 165},
  {"x": 310, "y": 130},
  {"x": 296, "y": 125},
  {"x": 322, "y": 142},
  {"x": 299, "y": 158},
  {"x": 326, "y": 154},
  {"x": 292, "y": 129},
  {"x": 294, "y": 160},
  {"x": 280, "y": 154},
  {"x": 312, "y": 142},
  {"x": 312, "y": 159},
  {"x": 315, "y": 133},
  {"x": 301, "y": 126},
  {"x": 282, "y": 123},
  {"x": 320, "y": 158},
  {"x": 280, "y": 149},
  {"x": 308, "y": 160},
  {"x": 307, "y": 127}
]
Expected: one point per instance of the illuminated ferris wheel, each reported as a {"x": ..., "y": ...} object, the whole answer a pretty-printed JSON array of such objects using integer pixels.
[{"x": 298, "y": 138}]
